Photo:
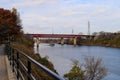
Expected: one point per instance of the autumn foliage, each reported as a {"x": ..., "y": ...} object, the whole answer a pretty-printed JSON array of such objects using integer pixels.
[{"x": 10, "y": 22}]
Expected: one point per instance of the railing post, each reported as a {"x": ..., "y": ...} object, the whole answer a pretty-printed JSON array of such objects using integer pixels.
[
  {"x": 10, "y": 56},
  {"x": 8, "y": 52},
  {"x": 17, "y": 65},
  {"x": 29, "y": 69},
  {"x": 13, "y": 60}
]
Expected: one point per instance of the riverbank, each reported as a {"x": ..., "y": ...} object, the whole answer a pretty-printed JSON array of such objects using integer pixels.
[
  {"x": 103, "y": 39},
  {"x": 26, "y": 46}
]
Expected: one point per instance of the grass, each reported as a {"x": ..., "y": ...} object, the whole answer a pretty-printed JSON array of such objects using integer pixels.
[{"x": 37, "y": 72}]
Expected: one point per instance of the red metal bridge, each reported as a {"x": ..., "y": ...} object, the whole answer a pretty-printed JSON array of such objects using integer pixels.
[{"x": 57, "y": 35}]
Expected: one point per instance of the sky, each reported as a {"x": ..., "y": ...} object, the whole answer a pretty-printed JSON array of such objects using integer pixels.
[{"x": 66, "y": 16}]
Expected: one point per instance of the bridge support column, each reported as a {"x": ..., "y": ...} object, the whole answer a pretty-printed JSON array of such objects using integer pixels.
[
  {"x": 37, "y": 42},
  {"x": 75, "y": 41},
  {"x": 62, "y": 41}
]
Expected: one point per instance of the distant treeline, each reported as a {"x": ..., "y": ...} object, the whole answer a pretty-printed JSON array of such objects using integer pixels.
[{"x": 102, "y": 39}]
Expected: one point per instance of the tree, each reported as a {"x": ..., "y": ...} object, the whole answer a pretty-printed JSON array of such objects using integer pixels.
[
  {"x": 94, "y": 34},
  {"x": 76, "y": 73},
  {"x": 92, "y": 70},
  {"x": 11, "y": 21},
  {"x": 102, "y": 33}
]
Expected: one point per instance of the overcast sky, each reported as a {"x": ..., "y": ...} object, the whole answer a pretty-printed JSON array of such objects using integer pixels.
[{"x": 63, "y": 16}]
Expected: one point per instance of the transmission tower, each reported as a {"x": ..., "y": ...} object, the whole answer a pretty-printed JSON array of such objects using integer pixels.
[{"x": 88, "y": 28}]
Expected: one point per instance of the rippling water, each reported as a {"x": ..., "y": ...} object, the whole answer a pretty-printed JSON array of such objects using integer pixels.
[{"x": 62, "y": 56}]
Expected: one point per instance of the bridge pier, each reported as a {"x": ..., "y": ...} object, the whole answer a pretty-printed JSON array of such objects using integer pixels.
[
  {"x": 75, "y": 41},
  {"x": 62, "y": 41},
  {"x": 37, "y": 41}
]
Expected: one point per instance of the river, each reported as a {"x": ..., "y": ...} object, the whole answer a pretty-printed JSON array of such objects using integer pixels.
[{"x": 62, "y": 56}]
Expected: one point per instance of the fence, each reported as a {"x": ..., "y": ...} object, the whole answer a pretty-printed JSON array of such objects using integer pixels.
[{"x": 24, "y": 71}]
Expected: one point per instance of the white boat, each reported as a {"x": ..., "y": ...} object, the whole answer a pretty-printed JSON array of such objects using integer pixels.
[{"x": 52, "y": 44}]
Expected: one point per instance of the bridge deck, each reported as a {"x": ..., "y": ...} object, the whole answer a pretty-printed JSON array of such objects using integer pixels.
[
  {"x": 54, "y": 35},
  {"x": 5, "y": 69}
]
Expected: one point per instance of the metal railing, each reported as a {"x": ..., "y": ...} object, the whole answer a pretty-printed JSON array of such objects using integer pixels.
[{"x": 19, "y": 67}]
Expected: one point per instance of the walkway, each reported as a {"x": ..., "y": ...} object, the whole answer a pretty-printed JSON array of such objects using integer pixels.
[{"x": 5, "y": 69}]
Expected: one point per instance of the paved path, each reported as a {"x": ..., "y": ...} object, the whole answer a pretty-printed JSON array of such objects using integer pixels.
[{"x": 3, "y": 68}]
